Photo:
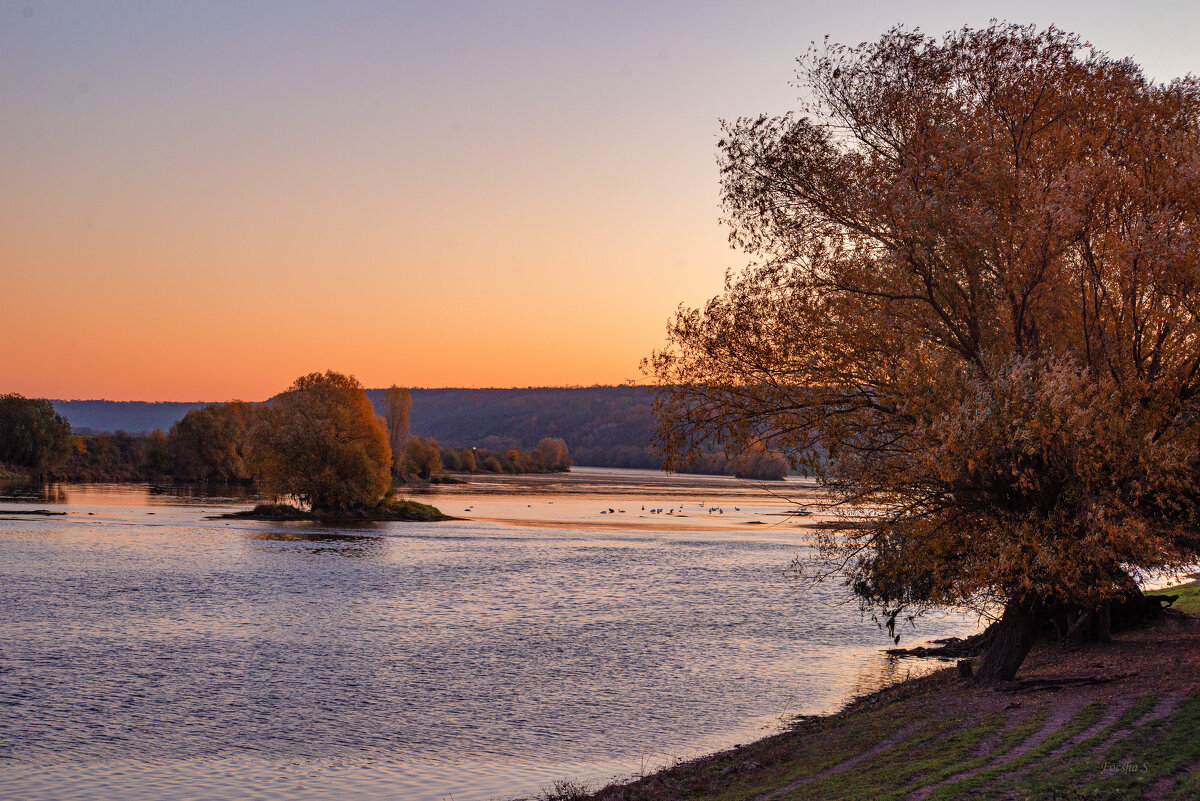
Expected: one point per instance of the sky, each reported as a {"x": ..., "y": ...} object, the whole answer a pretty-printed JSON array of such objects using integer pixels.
[{"x": 205, "y": 200}]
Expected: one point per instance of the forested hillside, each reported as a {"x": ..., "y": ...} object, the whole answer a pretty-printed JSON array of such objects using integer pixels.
[
  {"x": 134, "y": 417},
  {"x": 602, "y": 426}
]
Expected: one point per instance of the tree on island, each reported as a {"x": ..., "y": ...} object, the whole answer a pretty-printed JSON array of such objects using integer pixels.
[
  {"x": 975, "y": 308},
  {"x": 321, "y": 442},
  {"x": 33, "y": 435}
]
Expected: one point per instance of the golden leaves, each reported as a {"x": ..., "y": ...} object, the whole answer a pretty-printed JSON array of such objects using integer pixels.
[
  {"x": 976, "y": 303},
  {"x": 321, "y": 442}
]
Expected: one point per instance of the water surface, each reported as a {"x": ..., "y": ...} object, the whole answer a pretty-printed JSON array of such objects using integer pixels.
[{"x": 149, "y": 652}]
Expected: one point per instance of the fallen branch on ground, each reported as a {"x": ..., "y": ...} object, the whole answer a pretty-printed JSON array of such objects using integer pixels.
[{"x": 1058, "y": 683}]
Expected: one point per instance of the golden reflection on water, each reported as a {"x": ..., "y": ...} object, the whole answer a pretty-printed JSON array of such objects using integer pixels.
[
  {"x": 887, "y": 670},
  {"x": 137, "y": 495}
]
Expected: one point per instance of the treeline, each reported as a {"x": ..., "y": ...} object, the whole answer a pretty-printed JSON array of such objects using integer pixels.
[
  {"x": 118, "y": 457},
  {"x": 604, "y": 426},
  {"x": 207, "y": 445},
  {"x": 757, "y": 463},
  {"x": 34, "y": 439},
  {"x": 210, "y": 444},
  {"x": 550, "y": 456},
  {"x": 425, "y": 459}
]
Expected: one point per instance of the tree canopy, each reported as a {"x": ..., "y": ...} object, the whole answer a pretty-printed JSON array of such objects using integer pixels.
[
  {"x": 554, "y": 453},
  {"x": 422, "y": 458},
  {"x": 32, "y": 434},
  {"x": 973, "y": 307},
  {"x": 209, "y": 444},
  {"x": 321, "y": 442}
]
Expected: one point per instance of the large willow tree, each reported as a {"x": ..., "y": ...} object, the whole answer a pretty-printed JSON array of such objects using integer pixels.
[{"x": 973, "y": 307}]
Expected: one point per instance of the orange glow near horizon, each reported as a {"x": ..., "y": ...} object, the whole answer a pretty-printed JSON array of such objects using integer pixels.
[
  {"x": 251, "y": 293},
  {"x": 203, "y": 201}
]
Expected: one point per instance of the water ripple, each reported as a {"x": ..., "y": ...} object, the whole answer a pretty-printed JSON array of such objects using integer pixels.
[{"x": 192, "y": 657}]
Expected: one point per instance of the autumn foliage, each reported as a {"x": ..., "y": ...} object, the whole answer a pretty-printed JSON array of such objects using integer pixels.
[
  {"x": 208, "y": 444},
  {"x": 554, "y": 454},
  {"x": 974, "y": 306},
  {"x": 397, "y": 416},
  {"x": 321, "y": 442},
  {"x": 33, "y": 435}
]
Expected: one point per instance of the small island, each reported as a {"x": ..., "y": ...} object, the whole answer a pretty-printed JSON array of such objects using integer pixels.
[
  {"x": 409, "y": 511},
  {"x": 320, "y": 444}
]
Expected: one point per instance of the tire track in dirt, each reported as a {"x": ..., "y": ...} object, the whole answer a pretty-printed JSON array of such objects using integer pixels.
[
  {"x": 1112, "y": 713},
  {"x": 1059, "y": 716},
  {"x": 993, "y": 740},
  {"x": 901, "y": 734},
  {"x": 1164, "y": 708}
]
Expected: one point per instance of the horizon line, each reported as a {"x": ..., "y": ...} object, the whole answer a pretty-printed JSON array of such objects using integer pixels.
[{"x": 626, "y": 385}]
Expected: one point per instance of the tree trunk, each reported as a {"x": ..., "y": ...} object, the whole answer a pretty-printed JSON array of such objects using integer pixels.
[
  {"x": 1136, "y": 609},
  {"x": 1102, "y": 623},
  {"x": 1010, "y": 646},
  {"x": 1080, "y": 630}
]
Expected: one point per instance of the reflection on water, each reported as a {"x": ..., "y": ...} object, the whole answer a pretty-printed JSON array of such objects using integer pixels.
[
  {"x": 323, "y": 541},
  {"x": 187, "y": 494},
  {"x": 148, "y": 651},
  {"x": 127, "y": 494},
  {"x": 887, "y": 670},
  {"x": 27, "y": 492}
]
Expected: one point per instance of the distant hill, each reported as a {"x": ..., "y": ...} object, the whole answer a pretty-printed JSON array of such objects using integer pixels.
[
  {"x": 602, "y": 426},
  {"x": 134, "y": 417}
]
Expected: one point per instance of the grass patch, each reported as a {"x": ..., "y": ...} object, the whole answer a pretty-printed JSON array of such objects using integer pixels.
[
  {"x": 1007, "y": 741},
  {"x": 935, "y": 750},
  {"x": 1189, "y": 597},
  {"x": 998, "y": 777},
  {"x": 1161, "y": 749},
  {"x": 1072, "y": 770}
]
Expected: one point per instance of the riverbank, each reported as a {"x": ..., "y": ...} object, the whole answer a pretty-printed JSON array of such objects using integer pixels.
[{"x": 1134, "y": 735}]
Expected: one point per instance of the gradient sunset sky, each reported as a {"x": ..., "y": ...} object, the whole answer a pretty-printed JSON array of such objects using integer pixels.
[{"x": 202, "y": 201}]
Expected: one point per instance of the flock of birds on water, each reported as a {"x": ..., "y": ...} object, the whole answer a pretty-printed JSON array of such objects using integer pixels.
[
  {"x": 679, "y": 510},
  {"x": 658, "y": 511},
  {"x": 671, "y": 511}
]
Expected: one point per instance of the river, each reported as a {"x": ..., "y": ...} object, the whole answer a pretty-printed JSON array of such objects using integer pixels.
[{"x": 562, "y": 628}]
